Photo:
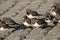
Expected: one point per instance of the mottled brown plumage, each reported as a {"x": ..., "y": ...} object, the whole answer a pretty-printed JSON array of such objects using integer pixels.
[
  {"x": 37, "y": 22},
  {"x": 27, "y": 21},
  {"x": 56, "y": 9},
  {"x": 9, "y": 21},
  {"x": 34, "y": 13},
  {"x": 3, "y": 25}
]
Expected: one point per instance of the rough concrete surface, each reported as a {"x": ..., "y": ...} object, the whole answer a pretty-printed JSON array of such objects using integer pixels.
[{"x": 16, "y": 9}]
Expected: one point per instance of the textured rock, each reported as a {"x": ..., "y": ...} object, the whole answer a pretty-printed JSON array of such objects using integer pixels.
[
  {"x": 37, "y": 34},
  {"x": 5, "y": 33},
  {"x": 18, "y": 35},
  {"x": 16, "y": 9},
  {"x": 1, "y": 1},
  {"x": 54, "y": 34}
]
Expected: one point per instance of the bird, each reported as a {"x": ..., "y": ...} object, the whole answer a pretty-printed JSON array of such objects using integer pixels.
[
  {"x": 10, "y": 22},
  {"x": 49, "y": 19},
  {"x": 37, "y": 23},
  {"x": 32, "y": 14},
  {"x": 27, "y": 21},
  {"x": 3, "y": 26},
  {"x": 55, "y": 11}
]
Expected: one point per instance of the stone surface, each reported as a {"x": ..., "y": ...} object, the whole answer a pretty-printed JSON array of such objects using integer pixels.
[
  {"x": 5, "y": 33},
  {"x": 38, "y": 34},
  {"x": 18, "y": 35},
  {"x": 54, "y": 34},
  {"x": 16, "y": 9}
]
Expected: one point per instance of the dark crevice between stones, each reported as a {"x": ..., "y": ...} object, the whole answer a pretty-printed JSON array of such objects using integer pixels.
[
  {"x": 58, "y": 38},
  {"x": 1, "y": 38},
  {"x": 1, "y": 14},
  {"x": 48, "y": 29}
]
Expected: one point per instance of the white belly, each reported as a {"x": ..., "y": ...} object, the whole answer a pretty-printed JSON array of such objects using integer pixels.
[
  {"x": 48, "y": 20},
  {"x": 2, "y": 29},
  {"x": 30, "y": 16},
  {"x": 59, "y": 21},
  {"x": 53, "y": 13},
  {"x": 26, "y": 24},
  {"x": 36, "y": 25}
]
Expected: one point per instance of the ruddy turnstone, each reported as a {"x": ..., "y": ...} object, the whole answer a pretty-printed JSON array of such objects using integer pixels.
[
  {"x": 55, "y": 11},
  {"x": 10, "y": 22},
  {"x": 37, "y": 22},
  {"x": 49, "y": 19},
  {"x": 32, "y": 14},
  {"x": 27, "y": 21},
  {"x": 3, "y": 26}
]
